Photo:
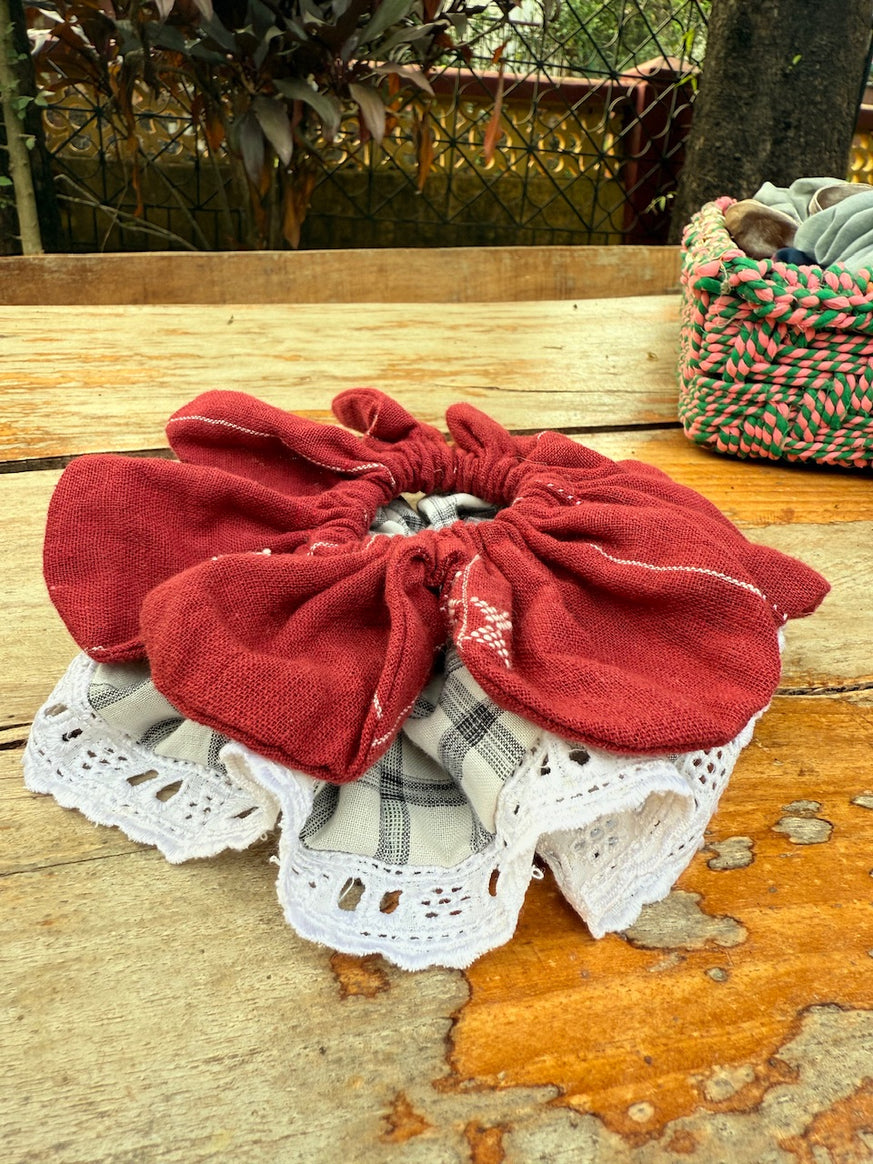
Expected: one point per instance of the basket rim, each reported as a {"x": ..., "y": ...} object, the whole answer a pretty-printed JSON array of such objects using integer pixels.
[{"x": 832, "y": 297}]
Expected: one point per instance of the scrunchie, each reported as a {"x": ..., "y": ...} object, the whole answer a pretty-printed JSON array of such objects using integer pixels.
[{"x": 603, "y": 601}]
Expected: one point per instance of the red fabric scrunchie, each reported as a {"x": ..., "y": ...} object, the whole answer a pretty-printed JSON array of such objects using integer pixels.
[{"x": 604, "y": 602}]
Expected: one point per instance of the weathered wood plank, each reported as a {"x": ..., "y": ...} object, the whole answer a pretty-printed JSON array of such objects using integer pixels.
[
  {"x": 144, "y": 988},
  {"x": 819, "y": 648},
  {"x": 445, "y": 275},
  {"x": 34, "y": 641},
  {"x": 39, "y": 834},
  {"x": 168, "y": 1013},
  {"x": 84, "y": 382},
  {"x": 748, "y": 492},
  {"x": 694, "y": 1006}
]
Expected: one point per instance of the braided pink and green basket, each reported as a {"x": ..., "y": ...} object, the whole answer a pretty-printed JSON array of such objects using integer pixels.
[{"x": 775, "y": 361}]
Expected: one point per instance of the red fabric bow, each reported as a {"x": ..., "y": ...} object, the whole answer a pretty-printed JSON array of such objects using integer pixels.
[{"x": 604, "y": 601}]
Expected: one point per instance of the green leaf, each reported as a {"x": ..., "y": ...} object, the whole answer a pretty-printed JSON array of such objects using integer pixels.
[
  {"x": 167, "y": 36},
  {"x": 129, "y": 42},
  {"x": 221, "y": 35},
  {"x": 313, "y": 13},
  {"x": 407, "y": 34},
  {"x": 263, "y": 48},
  {"x": 200, "y": 53},
  {"x": 406, "y": 73},
  {"x": 4, "y": 181},
  {"x": 273, "y": 120},
  {"x": 327, "y": 108},
  {"x": 388, "y": 13},
  {"x": 250, "y": 139},
  {"x": 261, "y": 18},
  {"x": 371, "y": 106}
]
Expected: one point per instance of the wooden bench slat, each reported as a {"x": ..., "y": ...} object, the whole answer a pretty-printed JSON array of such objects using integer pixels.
[
  {"x": 734, "y": 959},
  {"x": 441, "y": 275},
  {"x": 80, "y": 382},
  {"x": 193, "y": 1023}
]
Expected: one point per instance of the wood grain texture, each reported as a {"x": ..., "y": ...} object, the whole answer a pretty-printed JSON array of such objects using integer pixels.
[
  {"x": 750, "y": 492},
  {"x": 178, "y": 996},
  {"x": 660, "y": 1018},
  {"x": 110, "y": 380},
  {"x": 167, "y": 1013},
  {"x": 34, "y": 640},
  {"x": 443, "y": 275}
]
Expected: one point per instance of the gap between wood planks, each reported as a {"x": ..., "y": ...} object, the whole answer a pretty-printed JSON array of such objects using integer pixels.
[
  {"x": 141, "y": 850},
  {"x": 845, "y": 689},
  {"x": 37, "y": 464}
]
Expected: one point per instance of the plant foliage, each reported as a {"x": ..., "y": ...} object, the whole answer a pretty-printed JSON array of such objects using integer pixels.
[{"x": 267, "y": 81}]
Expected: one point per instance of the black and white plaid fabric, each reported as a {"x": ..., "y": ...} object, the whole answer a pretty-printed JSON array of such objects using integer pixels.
[
  {"x": 431, "y": 799},
  {"x": 436, "y": 511},
  {"x": 126, "y": 698}
]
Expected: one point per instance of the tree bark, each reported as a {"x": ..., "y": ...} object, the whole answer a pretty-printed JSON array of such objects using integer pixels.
[
  {"x": 778, "y": 99},
  {"x": 37, "y": 218}
]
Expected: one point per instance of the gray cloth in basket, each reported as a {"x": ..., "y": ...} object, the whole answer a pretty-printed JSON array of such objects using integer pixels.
[{"x": 842, "y": 233}]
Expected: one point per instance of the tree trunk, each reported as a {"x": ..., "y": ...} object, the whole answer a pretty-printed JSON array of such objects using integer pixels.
[
  {"x": 778, "y": 100},
  {"x": 33, "y": 215}
]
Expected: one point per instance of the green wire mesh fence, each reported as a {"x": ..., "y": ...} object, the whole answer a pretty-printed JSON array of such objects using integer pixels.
[{"x": 593, "y": 102}]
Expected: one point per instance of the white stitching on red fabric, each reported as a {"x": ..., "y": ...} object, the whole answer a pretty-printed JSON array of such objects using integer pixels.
[
  {"x": 465, "y": 579},
  {"x": 682, "y": 569},
  {"x": 378, "y": 741},
  {"x": 275, "y": 436},
  {"x": 223, "y": 423}
]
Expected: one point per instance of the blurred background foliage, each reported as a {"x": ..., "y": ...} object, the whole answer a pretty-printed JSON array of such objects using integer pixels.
[{"x": 214, "y": 124}]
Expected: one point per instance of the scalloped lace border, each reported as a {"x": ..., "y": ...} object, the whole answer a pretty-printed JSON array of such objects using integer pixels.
[
  {"x": 615, "y": 830},
  {"x": 184, "y": 809}
]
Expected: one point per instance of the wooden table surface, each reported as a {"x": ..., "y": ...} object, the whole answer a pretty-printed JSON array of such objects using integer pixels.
[{"x": 167, "y": 1013}]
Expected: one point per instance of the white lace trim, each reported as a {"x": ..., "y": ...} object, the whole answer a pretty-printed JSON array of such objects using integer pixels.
[
  {"x": 616, "y": 831},
  {"x": 609, "y": 870},
  {"x": 182, "y": 808}
]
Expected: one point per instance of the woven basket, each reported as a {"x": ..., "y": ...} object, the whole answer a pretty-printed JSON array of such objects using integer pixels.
[{"x": 775, "y": 361}]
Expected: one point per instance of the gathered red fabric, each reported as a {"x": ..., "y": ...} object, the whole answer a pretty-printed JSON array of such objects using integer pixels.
[{"x": 604, "y": 601}]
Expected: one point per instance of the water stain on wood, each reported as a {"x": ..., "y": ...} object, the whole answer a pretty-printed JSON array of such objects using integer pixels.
[
  {"x": 402, "y": 1121},
  {"x": 486, "y": 1144},
  {"x": 364, "y": 976},
  {"x": 679, "y": 922},
  {"x": 554, "y": 1008},
  {"x": 804, "y": 830},
  {"x": 842, "y": 1133},
  {"x": 731, "y": 853},
  {"x": 682, "y": 1142},
  {"x": 741, "y": 1087}
]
